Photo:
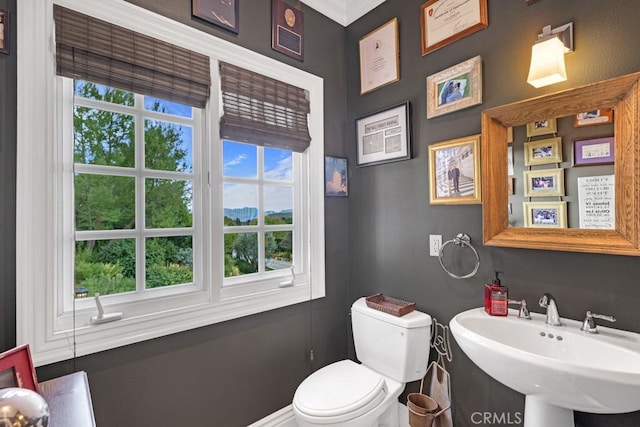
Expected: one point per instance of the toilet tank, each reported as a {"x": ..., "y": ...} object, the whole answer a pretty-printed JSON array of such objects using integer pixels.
[{"x": 397, "y": 347}]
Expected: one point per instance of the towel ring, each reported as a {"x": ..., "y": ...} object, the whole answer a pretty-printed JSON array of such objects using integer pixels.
[{"x": 462, "y": 239}]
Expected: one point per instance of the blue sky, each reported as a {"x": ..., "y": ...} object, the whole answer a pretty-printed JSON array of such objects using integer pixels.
[{"x": 241, "y": 160}]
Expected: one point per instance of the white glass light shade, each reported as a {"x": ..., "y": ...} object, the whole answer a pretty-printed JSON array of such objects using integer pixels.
[{"x": 547, "y": 63}]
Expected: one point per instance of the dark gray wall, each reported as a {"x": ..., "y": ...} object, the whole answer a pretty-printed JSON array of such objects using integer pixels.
[
  {"x": 233, "y": 373},
  {"x": 389, "y": 213}
]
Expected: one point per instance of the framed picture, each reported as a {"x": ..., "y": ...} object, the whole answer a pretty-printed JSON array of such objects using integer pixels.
[
  {"x": 543, "y": 152},
  {"x": 593, "y": 117},
  {"x": 544, "y": 183},
  {"x": 379, "y": 57},
  {"x": 511, "y": 183},
  {"x": 4, "y": 31},
  {"x": 16, "y": 369},
  {"x": 545, "y": 214},
  {"x": 287, "y": 29},
  {"x": 384, "y": 136},
  {"x": 455, "y": 88},
  {"x": 593, "y": 151},
  {"x": 446, "y": 21},
  {"x": 454, "y": 171},
  {"x": 223, "y": 13},
  {"x": 542, "y": 127},
  {"x": 336, "y": 177}
]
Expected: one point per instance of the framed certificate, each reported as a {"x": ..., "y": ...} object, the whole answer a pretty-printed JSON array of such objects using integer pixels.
[
  {"x": 379, "y": 62},
  {"x": 445, "y": 21}
]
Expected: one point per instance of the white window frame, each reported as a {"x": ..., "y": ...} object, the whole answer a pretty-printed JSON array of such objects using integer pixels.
[{"x": 41, "y": 217}]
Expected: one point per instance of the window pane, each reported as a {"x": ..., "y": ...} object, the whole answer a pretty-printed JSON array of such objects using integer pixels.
[
  {"x": 240, "y": 254},
  {"x": 278, "y": 204},
  {"x": 240, "y": 204},
  {"x": 168, "y": 146},
  {"x": 239, "y": 160},
  {"x": 277, "y": 250},
  {"x": 168, "y": 203},
  {"x": 169, "y": 261},
  {"x": 168, "y": 107},
  {"x": 103, "y": 138},
  {"x": 278, "y": 164},
  {"x": 104, "y": 93},
  {"x": 104, "y": 202},
  {"x": 106, "y": 266}
]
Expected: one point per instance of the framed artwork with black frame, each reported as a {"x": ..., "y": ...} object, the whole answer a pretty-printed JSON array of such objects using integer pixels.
[
  {"x": 223, "y": 13},
  {"x": 16, "y": 369},
  {"x": 384, "y": 136},
  {"x": 4, "y": 31},
  {"x": 336, "y": 177}
]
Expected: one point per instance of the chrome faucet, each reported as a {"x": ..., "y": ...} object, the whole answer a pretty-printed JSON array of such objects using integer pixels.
[
  {"x": 523, "y": 312},
  {"x": 589, "y": 325},
  {"x": 549, "y": 302}
]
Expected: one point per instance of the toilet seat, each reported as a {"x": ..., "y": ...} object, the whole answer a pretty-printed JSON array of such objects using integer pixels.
[{"x": 339, "y": 392}]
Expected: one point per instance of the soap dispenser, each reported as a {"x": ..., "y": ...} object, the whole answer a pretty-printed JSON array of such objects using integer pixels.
[{"x": 496, "y": 298}]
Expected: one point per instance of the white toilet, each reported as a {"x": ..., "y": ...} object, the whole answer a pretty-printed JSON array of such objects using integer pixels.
[{"x": 393, "y": 351}]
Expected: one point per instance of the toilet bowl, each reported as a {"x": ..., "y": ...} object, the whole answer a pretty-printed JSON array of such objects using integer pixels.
[
  {"x": 393, "y": 350},
  {"x": 345, "y": 393}
]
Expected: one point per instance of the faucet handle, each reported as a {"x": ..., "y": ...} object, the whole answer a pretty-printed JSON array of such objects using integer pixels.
[
  {"x": 523, "y": 313},
  {"x": 589, "y": 325}
]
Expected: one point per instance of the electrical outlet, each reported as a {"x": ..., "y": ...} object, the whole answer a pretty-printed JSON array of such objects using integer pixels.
[{"x": 435, "y": 241}]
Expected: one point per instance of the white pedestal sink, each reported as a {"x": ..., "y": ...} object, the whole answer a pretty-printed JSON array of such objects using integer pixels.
[{"x": 558, "y": 369}]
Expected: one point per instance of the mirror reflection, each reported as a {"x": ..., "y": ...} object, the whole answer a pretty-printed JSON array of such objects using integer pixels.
[{"x": 561, "y": 172}]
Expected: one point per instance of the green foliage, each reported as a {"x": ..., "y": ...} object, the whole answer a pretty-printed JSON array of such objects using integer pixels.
[
  {"x": 107, "y": 202},
  {"x": 166, "y": 275}
]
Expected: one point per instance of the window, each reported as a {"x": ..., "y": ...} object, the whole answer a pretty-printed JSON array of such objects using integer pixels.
[{"x": 136, "y": 197}]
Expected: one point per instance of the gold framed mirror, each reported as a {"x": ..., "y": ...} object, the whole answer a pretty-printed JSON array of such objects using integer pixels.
[{"x": 622, "y": 94}]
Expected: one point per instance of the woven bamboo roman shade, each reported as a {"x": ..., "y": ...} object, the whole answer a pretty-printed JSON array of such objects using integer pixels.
[
  {"x": 263, "y": 111},
  {"x": 91, "y": 49}
]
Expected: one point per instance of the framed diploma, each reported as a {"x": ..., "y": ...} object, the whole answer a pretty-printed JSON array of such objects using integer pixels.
[
  {"x": 287, "y": 29},
  {"x": 446, "y": 21},
  {"x": 379, "y": 62}
]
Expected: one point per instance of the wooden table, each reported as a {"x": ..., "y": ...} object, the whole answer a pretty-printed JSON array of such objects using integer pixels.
[{"x": 69, "y": 401}]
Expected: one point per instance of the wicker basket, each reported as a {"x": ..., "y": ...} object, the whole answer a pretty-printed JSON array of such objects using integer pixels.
[{"x": 389, "y": 305}]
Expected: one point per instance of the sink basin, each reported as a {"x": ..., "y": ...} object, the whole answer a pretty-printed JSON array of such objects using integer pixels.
[{"x": 558, "y": 369}]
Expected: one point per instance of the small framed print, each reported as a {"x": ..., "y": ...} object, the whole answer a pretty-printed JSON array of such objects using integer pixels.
[
  {"x": 4, "y": 31},
  {"x": 542, "y": 127},
  {"x": 545, "y": 214},
  {"x": 455, "y": 88},
  {"x": 223, "y": 13},
  {"x": 336, "y": 177},
  {"x": 287, "y": 29},
  {"x": 593, "y": 117},
  {"x": 16, "y": 369},
  {"x": 379, "y": 57},
  {"x": 385, "y": 136},
  {"x": 454, "y": 171},
  {"x": 593, "y": 151},
  {"x": 544, "y": 183},
  {"x": 543, "y": 152}
]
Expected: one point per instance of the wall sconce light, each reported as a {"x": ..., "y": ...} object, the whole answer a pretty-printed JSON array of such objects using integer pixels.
[{"x": 547, "y": 56}]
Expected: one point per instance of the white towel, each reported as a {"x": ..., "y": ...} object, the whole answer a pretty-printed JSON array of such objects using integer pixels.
[{"x": 439, "y": 388}]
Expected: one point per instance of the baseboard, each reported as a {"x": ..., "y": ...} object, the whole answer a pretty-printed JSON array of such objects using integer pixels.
[{"x": 282, "y": 418}]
